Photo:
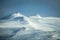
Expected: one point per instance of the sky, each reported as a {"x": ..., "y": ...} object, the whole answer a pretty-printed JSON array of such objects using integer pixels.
[{"x": 46, "y": 8}]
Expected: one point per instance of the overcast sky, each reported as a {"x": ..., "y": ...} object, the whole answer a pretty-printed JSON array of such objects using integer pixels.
[{"x": 30, "y": 7}]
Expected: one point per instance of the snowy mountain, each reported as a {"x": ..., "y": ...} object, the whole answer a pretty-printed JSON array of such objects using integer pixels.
[
  {"x": 37, "y": 22},
  {"x": 21, "y": 27}
]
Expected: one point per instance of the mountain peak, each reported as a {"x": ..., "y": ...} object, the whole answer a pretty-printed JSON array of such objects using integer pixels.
[
  {"x": 38, "y": 16},
  {"x": 17, "y": 15}
]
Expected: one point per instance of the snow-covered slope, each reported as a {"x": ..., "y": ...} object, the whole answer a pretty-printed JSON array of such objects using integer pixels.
[
  {"x": 37, "y": 22},
  {"x": 20, "y": 27}
]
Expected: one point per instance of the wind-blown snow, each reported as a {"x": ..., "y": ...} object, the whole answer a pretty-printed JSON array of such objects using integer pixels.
[{"x": 32, "y": 23}]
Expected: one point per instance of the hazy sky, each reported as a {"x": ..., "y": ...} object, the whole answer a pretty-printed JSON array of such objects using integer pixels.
[{"x": 30, "y": 7}]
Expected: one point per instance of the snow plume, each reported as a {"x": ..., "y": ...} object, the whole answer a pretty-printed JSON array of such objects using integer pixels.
[{"x": 30, "y": 28}]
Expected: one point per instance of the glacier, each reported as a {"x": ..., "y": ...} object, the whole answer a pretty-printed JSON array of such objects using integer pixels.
[{"x": 20, "y": 27}]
